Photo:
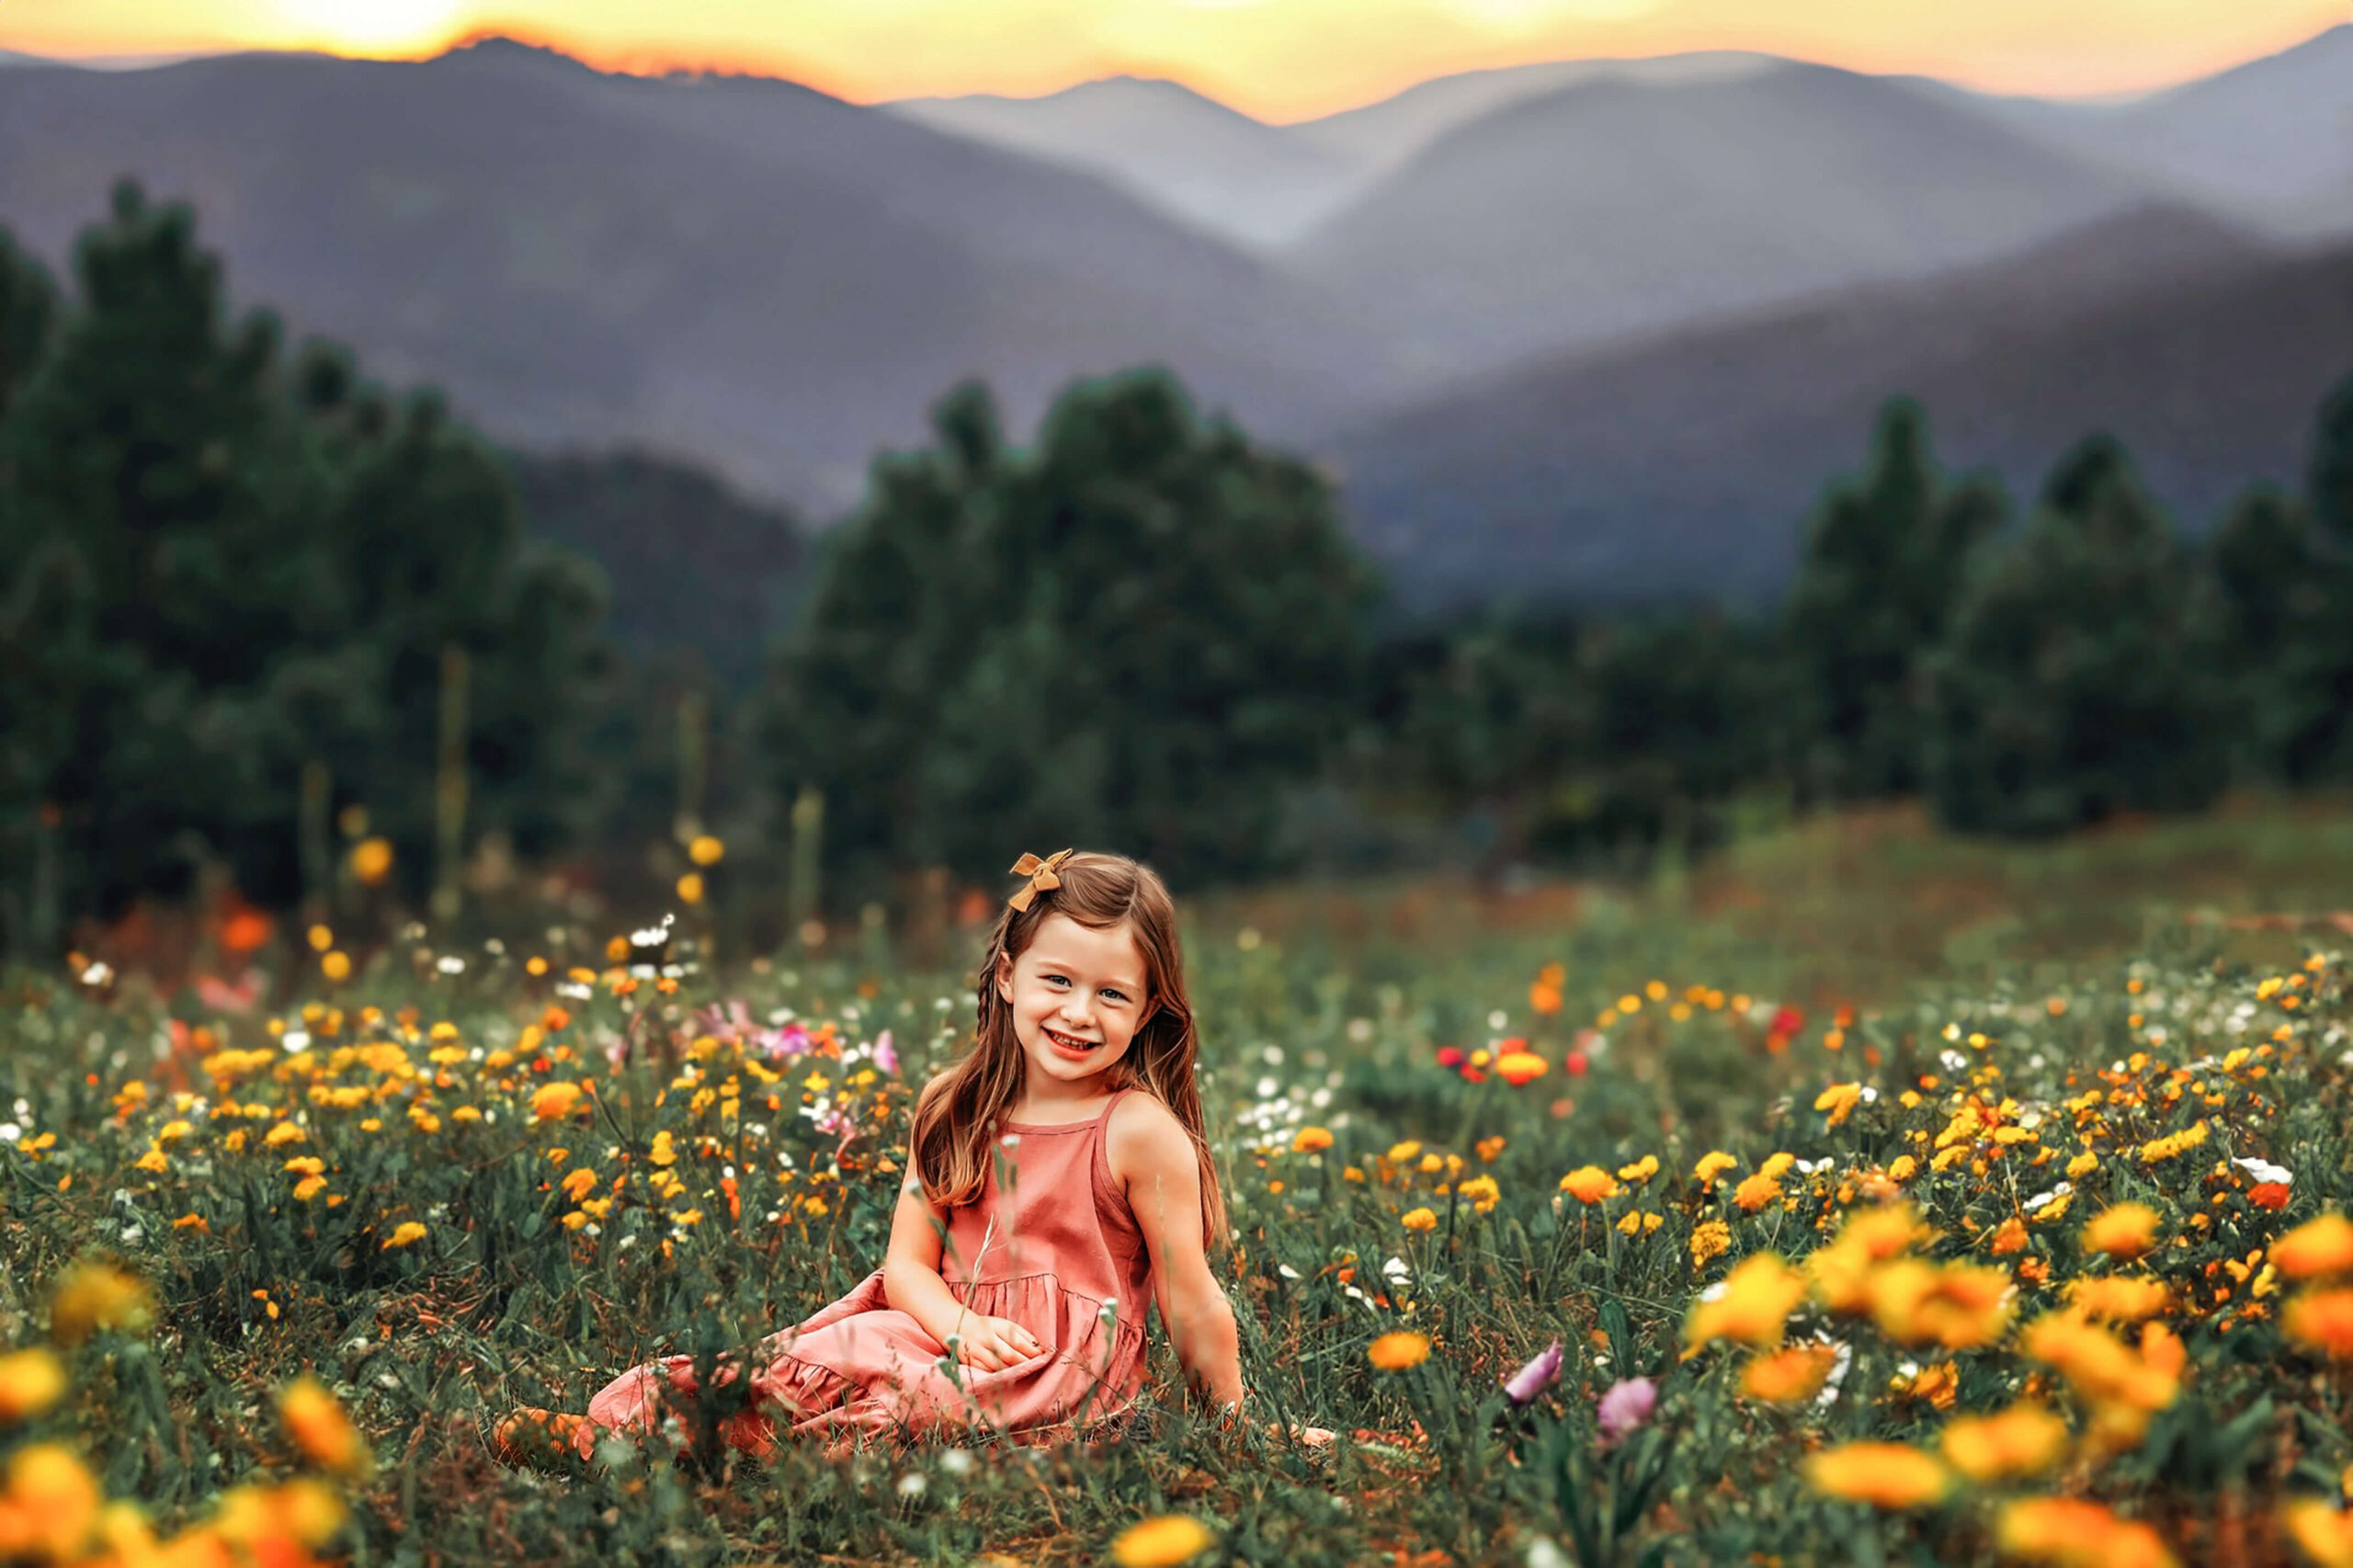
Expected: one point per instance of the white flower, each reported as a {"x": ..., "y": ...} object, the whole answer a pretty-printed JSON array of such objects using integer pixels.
[
  {"x": 1287, "y": 1271},
  {"x": 1544, "y": 1552},
  {"x": 912, "y": 1485},
  {"x": 11, "y": 1131},
  {"x": 1953, "y": 1061},
  {"x": 956, "y": 1461},
  {"x": 296, "y": 1040},
  {"x": 653, "y": 935},
  {"x": 1844, "y": 1358},
  {"x": 1397, "y": 1269},
  {"x": 1273, "y": 1055},
  {"x": 574, "y": 990},
  {"x": 2264, "y": 1170},
  {"x": 2039, "y": 1198},
  {"x": 1498, "y": 1019},
  {"x": 1713, "y": 1292},
  {"x": 97, "y": 974},
  {"x": 450, "y": 963}
]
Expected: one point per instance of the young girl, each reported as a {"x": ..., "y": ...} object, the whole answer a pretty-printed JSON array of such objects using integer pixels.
[{"x": 1059, "y": 1184}]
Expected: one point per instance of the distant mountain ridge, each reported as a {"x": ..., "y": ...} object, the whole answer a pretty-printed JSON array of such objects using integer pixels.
[
  {"x": 1615, "y": 207},
  {"x": 742, "y": 270},
  {"x": 1686, "y": 464}
]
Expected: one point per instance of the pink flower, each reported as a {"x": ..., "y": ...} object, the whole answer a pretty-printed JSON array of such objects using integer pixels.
[
  {"x": 1534, "y": 1377},
  {"x": 886, "y": 1056},
  {"x": 1625, "y": 1407}
]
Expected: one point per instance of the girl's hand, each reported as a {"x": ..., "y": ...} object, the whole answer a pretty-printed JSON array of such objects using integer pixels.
[
  {"x": 993, "y": 1344},
  {"x": 1313, "y": 1437}
]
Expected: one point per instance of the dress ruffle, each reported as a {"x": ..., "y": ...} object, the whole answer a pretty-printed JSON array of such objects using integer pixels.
[{"x": 859, "y": 1369}]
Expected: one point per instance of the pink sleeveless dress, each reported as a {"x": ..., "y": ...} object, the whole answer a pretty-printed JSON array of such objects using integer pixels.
[{"x": 1051, "y": 1245}]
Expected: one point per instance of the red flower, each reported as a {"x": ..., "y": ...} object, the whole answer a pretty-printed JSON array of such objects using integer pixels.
[
  {"x": 1449, "y": 1056},
  {"x": 2268, "y": 1195},
  {"x": 1576, "y": 1065}
]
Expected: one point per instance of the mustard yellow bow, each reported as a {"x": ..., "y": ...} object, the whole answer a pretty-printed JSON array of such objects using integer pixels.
[{"x": 1040, "y": 874}]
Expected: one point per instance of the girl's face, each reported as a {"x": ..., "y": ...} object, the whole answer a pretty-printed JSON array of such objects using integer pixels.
[{"x": 1077, "y": 998}]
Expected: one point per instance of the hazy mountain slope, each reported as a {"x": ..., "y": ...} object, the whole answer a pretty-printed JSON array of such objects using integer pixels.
[
  {"x": 743, "y": 272},
  {"x": 2271, "y": 141},
  {"x": 1616, "y": 206},
  {"x": 1687, "y": 464},
  {"x": 1384, "y": 134},
  {"x": 1217, "y": 169}
]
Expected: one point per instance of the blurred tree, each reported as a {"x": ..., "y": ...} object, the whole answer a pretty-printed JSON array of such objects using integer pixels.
[
  {"x": 2332, "y": 465},
  {"x": 1885, "y": 559},
  {"x": 2081, "y": 676},
  {"x": 692, "y": 564},
  {"x": 27, "y": 312},
  {"x": 1586, "y": 739},
  {"x": 2287, "y": 643},
  {"x": 1138, "y": 635},
  {"x": 217, "y": 571}
]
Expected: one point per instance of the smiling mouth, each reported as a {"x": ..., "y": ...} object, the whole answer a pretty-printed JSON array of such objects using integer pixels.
[{"x": 1068, "y": 1044}]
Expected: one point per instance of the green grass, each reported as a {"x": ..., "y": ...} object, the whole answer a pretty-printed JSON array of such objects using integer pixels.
[{"x": 1346, "y": 992}]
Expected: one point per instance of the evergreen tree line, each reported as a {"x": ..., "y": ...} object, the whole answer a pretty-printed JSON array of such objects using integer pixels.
[
  {"x": 2024, "y": 676},
  {"x": 254, "y": 607}
]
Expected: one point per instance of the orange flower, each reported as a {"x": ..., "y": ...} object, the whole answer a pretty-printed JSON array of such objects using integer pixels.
[
  {"x": 1164, "y": 1541},
  {"x": 2321, "y": 1529},
  {"x": 320, "y": 1428},
  {"x": 1789, "y": 1377},
  {"x": 1517, "y": 1067},
  {"x": 555, "y": 1101},
  {"x": 2023, "y": 1441},
  {"x": 1839, "y": 1100},
  {"x": 1397, "y": 1352},
  {"x": 1958, "y": 1306},
  {"x": 1590, "y": 1184},
  {"x": 2322, "y": 1321},
  {"x": 2117, "y": 1298},
  {"x": 1311, "y": 1140},
  {"x": 1757, "y": 1191},
  {"x": 2010, "y": 1238},
  {"x": 2125, "y": 1231},
  {"x": 2272, "y": 1195},
  {"x": 1885, "y": 1476},
  {"x": 2315, "y": 1247},
  {"x": 2067, "y": 1533},
  {"x": 1754, "y": 1303}
]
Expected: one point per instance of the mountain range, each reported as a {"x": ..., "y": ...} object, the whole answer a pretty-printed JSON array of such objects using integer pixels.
[
  {"x": 1686, "y": 464},
  {"x": 1559, "y": 327}
]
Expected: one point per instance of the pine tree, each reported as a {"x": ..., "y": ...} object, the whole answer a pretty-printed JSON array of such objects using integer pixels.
[
  {"x": 1885, "y": 559},
  {"x": 2080, "y": 677}
]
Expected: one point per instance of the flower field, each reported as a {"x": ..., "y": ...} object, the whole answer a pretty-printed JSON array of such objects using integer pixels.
[{"x": 1620, "y": 1234}]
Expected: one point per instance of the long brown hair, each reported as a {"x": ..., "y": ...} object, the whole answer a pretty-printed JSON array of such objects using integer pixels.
[{"x": 957, "y": 1112}]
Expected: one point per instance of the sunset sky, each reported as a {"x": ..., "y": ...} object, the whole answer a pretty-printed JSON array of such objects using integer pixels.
[{"x": 1280, "y": 59}]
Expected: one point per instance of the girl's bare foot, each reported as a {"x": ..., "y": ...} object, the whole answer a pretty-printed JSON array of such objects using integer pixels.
[{"x": 539, "y": 1439}]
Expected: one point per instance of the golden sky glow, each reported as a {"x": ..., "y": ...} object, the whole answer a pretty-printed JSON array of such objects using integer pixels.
[{"x": 1278, "y": 58}]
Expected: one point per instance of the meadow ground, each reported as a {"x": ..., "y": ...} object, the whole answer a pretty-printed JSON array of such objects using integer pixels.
[{"x": 1888, "y": 1199}]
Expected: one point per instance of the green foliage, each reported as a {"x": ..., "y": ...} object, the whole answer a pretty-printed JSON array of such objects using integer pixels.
[
  {"x": 1884, "y": 560},
  {"x": 1579, "y": 739},
  {"x": 2332, "y": 464},
  {"x": 2080, "y": 677},
  {"x": 217, "y": 569},
  {"x": 2287, "y": 639},
  {"x": 1142, "y": 631}
]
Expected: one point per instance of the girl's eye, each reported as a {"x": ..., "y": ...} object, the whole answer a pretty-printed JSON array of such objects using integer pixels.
[{"x": 1117, "y": 995}]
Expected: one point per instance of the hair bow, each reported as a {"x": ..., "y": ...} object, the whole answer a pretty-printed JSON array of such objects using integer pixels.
[{"x": 1040, "y": 874}]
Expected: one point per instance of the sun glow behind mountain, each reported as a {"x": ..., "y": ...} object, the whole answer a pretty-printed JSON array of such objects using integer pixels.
[{"x": 1280, "y": 59}]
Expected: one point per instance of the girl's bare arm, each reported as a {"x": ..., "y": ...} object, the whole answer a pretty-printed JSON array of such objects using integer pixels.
[
  {"x": 912, "y": 1280},
  {"x": 1164, "y": 1183}
]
